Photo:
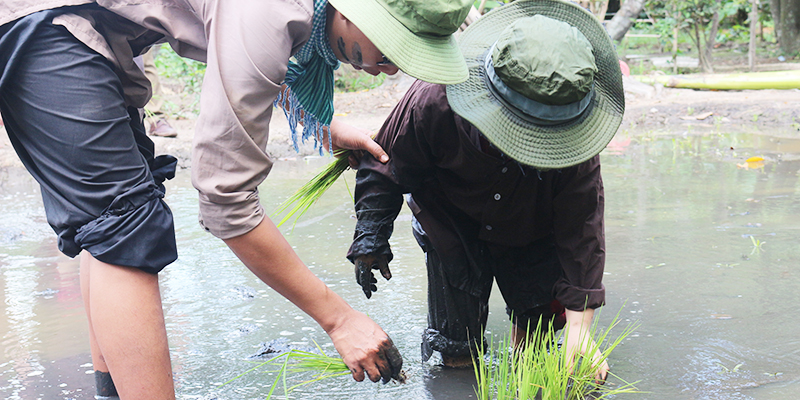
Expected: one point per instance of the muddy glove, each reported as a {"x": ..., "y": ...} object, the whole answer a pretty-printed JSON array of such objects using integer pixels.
[{"x": 364, "y": 266}]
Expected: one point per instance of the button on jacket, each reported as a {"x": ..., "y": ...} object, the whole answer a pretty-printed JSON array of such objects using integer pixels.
[
  {"x": 246, "y": 44},
  {"x": 459, "y": 183}
]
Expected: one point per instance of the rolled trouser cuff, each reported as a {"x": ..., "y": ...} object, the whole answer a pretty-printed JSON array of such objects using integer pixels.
[
  {"x": 136, "y": 230},
  {"x": 434, "y": 340}
]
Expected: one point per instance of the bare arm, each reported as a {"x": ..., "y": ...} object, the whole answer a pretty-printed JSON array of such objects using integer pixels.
[
  {"x": 363, "y": 345},
  {"x": 579, "y": 341}
]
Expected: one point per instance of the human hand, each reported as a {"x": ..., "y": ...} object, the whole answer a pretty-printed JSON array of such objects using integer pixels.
[
  {"x": 366, "y": 349},
  {"x": 364, "y": 266},
  {"x": 348, "y": 137},
  {"x": 579, "y": 341}
]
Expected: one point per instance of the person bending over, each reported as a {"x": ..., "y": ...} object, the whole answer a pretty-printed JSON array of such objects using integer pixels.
[
  {"x": 502, "y": 175},
  {"x": 69, "y": 96}
]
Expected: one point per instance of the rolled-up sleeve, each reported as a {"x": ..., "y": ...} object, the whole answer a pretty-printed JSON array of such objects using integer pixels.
[{"x": 249, "y": 45}]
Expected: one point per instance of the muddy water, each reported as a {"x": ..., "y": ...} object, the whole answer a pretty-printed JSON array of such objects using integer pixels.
[{"x": 702, "y": 253}]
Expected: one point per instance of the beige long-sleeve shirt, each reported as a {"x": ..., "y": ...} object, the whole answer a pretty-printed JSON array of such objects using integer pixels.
[{"x": 246, "y": 45}]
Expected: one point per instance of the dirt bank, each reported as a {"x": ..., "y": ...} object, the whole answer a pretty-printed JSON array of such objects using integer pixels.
[
  {"x": 647, "y": 108},
  {"x": 656, "y": 108}
]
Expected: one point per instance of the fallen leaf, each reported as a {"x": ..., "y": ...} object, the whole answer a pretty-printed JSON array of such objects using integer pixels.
[{"x": 704, "y": 115}]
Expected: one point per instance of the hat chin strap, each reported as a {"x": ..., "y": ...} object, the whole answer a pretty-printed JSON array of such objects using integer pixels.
[{"x": 542, "y": 114}]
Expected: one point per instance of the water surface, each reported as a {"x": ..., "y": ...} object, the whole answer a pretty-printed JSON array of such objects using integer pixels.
[{"x": 702, "y": 253}]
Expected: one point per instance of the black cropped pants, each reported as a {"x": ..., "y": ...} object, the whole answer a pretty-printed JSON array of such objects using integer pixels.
[{"x": 64, "y": 111}]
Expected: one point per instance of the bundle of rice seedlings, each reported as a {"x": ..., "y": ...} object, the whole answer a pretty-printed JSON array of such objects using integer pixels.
[
  {"x": 307, "y": 195},
  {"x": 538, "y": 370},
  {"x": 298, "y": 361}
]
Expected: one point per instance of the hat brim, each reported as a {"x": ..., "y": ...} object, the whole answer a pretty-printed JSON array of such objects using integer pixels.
[
  {"x": 435, "y": 59},
  {"x": 543, "y": 147}
]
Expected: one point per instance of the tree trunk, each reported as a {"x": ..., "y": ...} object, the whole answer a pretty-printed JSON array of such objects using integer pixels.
[
  {"x": 751, "y": 53},
  {"x": 775, "y": 9},
  {"x": 706, "y": 58},
  {"x": 625, "y": 18},
  {"x": 788, "y": 26},
  {"x": 675, "y": 40},
  {"x": 702, "y": 53}
]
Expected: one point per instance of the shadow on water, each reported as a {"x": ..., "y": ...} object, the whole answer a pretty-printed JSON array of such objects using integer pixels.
[{"x": 702, "y": 251}]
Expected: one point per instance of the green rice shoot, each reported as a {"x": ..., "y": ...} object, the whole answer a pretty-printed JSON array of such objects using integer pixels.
[
  {"x": 538, "y": 370},
  {"x": 306, "y": 196},
  {"x": 297, "y": 362}
]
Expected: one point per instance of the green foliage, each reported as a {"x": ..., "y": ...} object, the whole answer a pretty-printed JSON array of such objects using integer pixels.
[
  {"x": 539, "y": 370},
  {"x": 489, "y": 5},
  {"x": 695, "y": 20},
  {"x": 357, "y": 83},
  {"x": 685, "y": 14},
  {"x": 183, "y": 73},
  {"x": 189, "y": 72},
  {"x": 348, "y": 79}
]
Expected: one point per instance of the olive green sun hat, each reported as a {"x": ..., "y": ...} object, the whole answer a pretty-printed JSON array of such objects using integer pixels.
[
  {"x": 415, "y": 35},
  {"x": 545, "y": 86}
]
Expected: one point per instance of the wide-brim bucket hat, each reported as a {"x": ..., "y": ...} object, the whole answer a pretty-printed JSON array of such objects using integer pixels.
[
  {"x": 512, "y": 131},
  {"x": 415, "y": 35}
]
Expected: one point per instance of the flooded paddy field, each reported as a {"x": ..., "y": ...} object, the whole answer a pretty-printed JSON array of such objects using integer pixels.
[{"x": 702, "y": 252}]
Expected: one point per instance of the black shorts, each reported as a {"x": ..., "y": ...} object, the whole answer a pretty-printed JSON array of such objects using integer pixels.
[
  {"x": 457, "y": 318},
  {"x": 64, "y": 111}
]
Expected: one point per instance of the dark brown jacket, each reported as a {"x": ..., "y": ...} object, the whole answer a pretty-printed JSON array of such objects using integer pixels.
[{"x": 461, "y": 187}]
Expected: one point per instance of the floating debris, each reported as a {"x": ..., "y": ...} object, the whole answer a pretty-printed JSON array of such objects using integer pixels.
[{"x": 244, "y": 292}]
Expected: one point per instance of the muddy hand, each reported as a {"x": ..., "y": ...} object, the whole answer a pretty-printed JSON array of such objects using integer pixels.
[
  {"x": 366, "y": 349},
  {"x": 394, "y": 362},
  {"x": 364, "y": 276}
]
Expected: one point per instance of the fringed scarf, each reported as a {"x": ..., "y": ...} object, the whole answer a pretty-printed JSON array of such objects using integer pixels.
[{"x": 310, "y": 80}]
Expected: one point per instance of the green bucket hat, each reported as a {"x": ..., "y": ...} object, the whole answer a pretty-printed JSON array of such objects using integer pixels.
[
  {"x": 415, "y": 35},
  {"x": 544, "y": 86}
]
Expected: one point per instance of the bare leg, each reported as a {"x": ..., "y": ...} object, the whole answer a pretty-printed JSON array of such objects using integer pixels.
[
  {"x": 104, "y": 383},
  {"x": 127, "y": 332},
  {"x": 522, "y": 337},
  {"x": 97, "y": 358}
]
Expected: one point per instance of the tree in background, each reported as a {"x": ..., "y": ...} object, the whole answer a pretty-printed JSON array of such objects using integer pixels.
[
  {"x": 786, "y": 14},
  {"x": 624, "y": 19},
  {"x": 700, "y": 19}
]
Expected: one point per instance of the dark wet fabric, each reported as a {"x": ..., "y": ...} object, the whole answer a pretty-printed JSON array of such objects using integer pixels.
[
  {"x": 104, "y": 384},
  {"x": 64, "y": 112},
  {"x": 456, "y": 318},
  {"x": 477, "y": 205}
]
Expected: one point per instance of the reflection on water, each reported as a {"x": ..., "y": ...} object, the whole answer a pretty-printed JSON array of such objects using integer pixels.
[{"x": 701, "y": 251}]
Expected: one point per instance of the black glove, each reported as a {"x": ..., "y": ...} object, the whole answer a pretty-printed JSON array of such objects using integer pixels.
[{"x": 364, "y": 277}]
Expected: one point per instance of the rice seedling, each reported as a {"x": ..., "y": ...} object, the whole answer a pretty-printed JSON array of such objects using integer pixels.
[
  {"x": 298, "y": 361},
  {"x": 757, "y": 243},
  {"x": 306, "y": 196},
  {"x": 538, "y": 370}
]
